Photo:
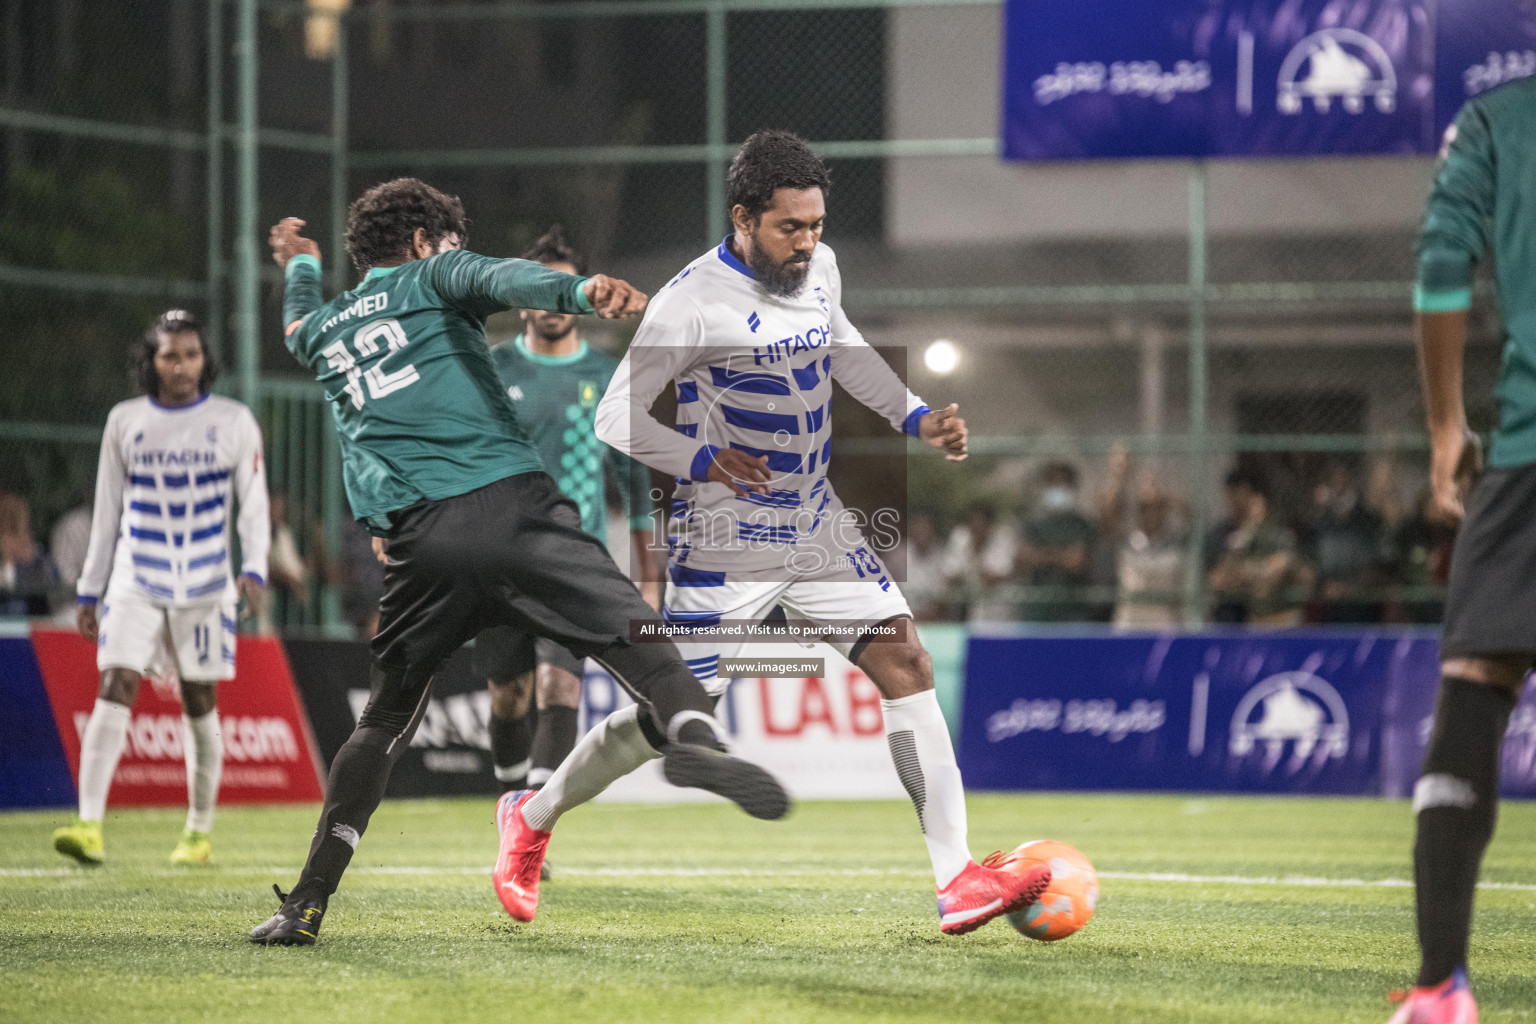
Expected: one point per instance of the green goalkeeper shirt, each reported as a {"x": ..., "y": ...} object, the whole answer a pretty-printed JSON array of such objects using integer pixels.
[
  {"x": 419, "y": 409},
  {"x": 1483, "y": 199},
  {"x": 556, "y": 398}
]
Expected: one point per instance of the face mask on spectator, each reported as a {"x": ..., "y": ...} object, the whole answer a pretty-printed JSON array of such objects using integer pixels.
[{"x": 1058, "y": 499}]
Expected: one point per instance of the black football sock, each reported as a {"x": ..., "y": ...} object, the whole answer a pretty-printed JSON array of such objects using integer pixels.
[
  {"x": 511, "y": 743},
  {"x": 1456, "y": 803},
  {"x": 553, "y": 740},
  {"x": 657, "y": 678},
  {"x": 353, "y": 790}
]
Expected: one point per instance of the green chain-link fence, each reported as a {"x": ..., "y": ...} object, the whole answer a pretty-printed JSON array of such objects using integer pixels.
[{"x": 143, "y": 161}]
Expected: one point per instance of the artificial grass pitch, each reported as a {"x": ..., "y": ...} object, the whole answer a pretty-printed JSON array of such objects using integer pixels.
[{"x": 1213, "y": 909}]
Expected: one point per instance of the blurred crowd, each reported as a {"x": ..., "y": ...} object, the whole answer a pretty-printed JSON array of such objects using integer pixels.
[
  {"x": 1284, "y": 548},
  {"x": 1337, "y": 549}
]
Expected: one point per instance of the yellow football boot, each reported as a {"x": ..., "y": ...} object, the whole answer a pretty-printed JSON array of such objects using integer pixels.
[
  {"x": 194, "y": 848},
  {"x": 82, "y": 841}
]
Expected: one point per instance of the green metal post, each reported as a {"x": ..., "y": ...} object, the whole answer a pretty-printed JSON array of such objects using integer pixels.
[
  {"x": 247, "y": 282},
  {"x": 337, "y": 257},
  {"x": 1194, "y": 583},
  {"x": 715, "y": 121},
  {"x": 332, "y": 503},
  {"x": 215, "y": 273}
]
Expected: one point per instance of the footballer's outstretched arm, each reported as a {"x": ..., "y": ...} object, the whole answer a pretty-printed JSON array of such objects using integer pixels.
[
  {"x": 865, "y": 375},
  {"x": 486, "y": 285},
  {"x": 668, "y": 342},
  {"x": 299, "y": 258}
]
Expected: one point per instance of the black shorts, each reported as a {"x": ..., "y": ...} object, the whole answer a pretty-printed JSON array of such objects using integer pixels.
[
  {"x": 502, "y": 653},
  {"x": 1490, "y": 607},
  {"x": 512, "y": 553}
]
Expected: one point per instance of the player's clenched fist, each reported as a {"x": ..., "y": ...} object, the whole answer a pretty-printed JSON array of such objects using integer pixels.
[
  {"x": 614, "y": 299},
  {"x": 287, "y": 243},
  {"x": 945, "y": 430}
]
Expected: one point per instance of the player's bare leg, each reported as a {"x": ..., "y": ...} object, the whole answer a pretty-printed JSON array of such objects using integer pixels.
[
  {"x": 511, "y": 730},
  {"x": 101, "y": 747},
  {"x": 970, "y": 895},
  {"x": 554, "y": 736}
]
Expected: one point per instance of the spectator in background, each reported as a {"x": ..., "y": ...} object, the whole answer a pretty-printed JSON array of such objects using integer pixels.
[
  {"x": 927, "y": 581},
  {"x": 27, "y": 575},
  {"x": 1056, "y": 550},
  {"x": 1150, "y": 556},
  {"x": 1252, "y": 568},
  {"x": 1421, "y": 558},
  {"x": 288, "y": 573},
  {"x": 67, "y": 544},
  {"x": 978, "y": 561},
  {"x": 1349, "y": 549}
]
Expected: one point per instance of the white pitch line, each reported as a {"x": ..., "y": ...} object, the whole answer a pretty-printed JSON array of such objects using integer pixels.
[{"x": 1300, "y": 881}]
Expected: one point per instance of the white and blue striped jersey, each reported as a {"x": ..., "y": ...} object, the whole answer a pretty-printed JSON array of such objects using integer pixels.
[
  {"x": 753, "y": 371},
  {"x": 166, "y": 486}
]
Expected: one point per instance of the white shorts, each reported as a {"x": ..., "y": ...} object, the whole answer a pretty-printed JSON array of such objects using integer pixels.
[
  {"x": 139, "y": 636},
  {"x": 859, "y": 593}
]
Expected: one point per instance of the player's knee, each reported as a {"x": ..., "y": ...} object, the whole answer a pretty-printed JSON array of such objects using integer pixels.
[
  {"x": 1506, "y": 671},
  {"x": 558, "y": 688},
  {"x": 510, "y": 698},
  {"x": 198, "y": 699},
  {"x": 120, "y": 686}
]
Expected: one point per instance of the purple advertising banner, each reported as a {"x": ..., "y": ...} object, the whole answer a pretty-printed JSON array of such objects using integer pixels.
[
  {"x": 1303, "y": 712},
  {"x": 1480, "y": 45},
  {"x": 1126, "y": 78}
]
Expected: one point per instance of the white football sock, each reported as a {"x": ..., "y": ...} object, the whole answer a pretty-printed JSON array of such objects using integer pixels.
[
  {"x": 602, "y": 757},
  {"x": 925, "y": 760},
  {"x": 101, "y": 746},
  {"x": 204, "y": 748}
]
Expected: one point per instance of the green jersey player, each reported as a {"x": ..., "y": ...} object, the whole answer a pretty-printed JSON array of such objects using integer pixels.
[
  {"x": 555, "y": 380},
  {"x": 1484, "y": 192},
  {"x": 435, "y": 462}
]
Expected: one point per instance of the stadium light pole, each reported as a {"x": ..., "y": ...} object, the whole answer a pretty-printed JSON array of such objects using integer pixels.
[
  {"x": 1194, "y": 581},
  {"x": 248, "y": 284}
]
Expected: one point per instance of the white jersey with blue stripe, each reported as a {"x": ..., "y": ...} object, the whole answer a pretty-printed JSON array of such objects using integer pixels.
[
  {"x": 167, "y": 483},
  {"x": 754, "y": 372}
]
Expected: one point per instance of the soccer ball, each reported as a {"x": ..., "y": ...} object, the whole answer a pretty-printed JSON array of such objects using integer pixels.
[{"x": 1068, "y": 903}]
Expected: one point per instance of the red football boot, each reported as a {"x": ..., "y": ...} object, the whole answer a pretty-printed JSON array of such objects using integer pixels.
[
  {"x": 520, "y": 857},
  {"x": 1449, "y": 1002},
  {"x": 981, "y": 892}
]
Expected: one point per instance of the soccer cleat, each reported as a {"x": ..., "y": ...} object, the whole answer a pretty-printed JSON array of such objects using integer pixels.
[
  {"x": 194, "y": 848},
  {"x": 296, "y": 923},
  {"x": 980, "y": 892},
  {"x": 520, "y": 859},
  {"x": 1449, "y": 1002},
  {"x": 82, "y": 841},
  {"x": 743, "y": 783}
]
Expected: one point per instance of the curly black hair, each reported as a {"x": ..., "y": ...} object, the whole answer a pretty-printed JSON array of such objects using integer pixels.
[
  {"x": 382, "y": 222},
  {"x": 554, "y": 247},
  {"x": 141, "y": 357},
  {"x": 768, "y": 161}
]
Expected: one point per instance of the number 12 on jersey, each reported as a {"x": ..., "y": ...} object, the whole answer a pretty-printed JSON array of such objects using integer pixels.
[{"x": 368, "y": 343}]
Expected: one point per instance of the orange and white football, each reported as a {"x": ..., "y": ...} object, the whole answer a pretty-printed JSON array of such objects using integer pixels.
[{"x": 1068, "y": 903}]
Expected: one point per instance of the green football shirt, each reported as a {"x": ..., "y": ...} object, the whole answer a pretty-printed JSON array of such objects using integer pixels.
[
  {"x": 404, "y": 363},
  {"x": 1483, "y": 198},
  {"x": 556, "y": 401}
]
